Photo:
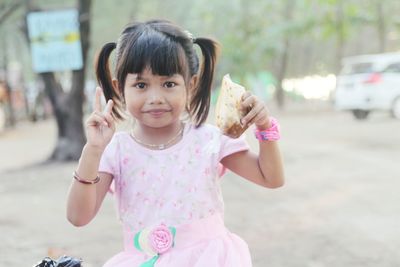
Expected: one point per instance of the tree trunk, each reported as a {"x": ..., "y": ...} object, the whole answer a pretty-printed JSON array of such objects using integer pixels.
[
  {"x": 68, "y": 108},
  {"x": 71, "y": 135},
  {"x": 10, "y": 114},
  {"x": 280, "y": 94},
  {"x": 340, "y": 39},
  {"x": 66, "y": 111},
  {"x": 381, "y": 24}
]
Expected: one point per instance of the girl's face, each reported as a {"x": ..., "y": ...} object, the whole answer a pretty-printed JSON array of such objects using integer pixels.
[{"x": 155, "y": 101}]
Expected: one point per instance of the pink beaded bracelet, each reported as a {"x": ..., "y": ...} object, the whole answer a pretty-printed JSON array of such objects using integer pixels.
[
  {"x": 270, "y": 134},
  {"x": 84, "y": 181}
]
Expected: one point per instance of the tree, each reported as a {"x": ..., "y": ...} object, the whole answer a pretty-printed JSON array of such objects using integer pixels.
[
  {"x": 6, "y": 10},
  {"x": 288, "y": 13},
  {"x": 381, "y": 25},
  {"x": 68, "y": 106}
]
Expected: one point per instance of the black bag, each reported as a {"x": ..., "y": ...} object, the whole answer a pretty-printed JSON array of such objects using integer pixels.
[{"x": 64, "y": 261}]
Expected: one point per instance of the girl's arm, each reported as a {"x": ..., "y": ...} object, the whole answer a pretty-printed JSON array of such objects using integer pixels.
[
  {"x": 266, "y": 168},
  {"x": 84, "y": 200}
]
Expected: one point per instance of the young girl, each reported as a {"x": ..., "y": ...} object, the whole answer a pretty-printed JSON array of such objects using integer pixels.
[{"x": 165, "y": 173}]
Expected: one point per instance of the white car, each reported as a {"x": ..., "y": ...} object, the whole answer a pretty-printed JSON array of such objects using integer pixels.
[{"x": 369, "y": 82}]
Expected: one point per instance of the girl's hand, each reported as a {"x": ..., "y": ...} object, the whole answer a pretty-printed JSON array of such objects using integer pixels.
[
  {"x": 100, "y": 126},
  {"x": 258, "y": 113}
]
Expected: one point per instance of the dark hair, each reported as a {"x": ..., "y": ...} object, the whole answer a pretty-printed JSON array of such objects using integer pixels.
[{"x": 166, "y": 49}]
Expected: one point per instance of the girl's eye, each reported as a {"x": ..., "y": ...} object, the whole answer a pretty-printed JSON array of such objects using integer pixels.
[
  {"x": 169, "y": 84},
  {"x": 140, "y": 85}
]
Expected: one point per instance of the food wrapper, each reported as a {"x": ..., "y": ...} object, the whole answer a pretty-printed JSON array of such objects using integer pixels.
[{"x": 228, "y": 111}]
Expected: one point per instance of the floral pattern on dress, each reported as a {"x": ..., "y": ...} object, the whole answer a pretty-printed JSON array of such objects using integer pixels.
[{"x": 172, "y": 186}]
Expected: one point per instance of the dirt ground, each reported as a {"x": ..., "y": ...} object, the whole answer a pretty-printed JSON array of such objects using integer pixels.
[{"x": 339, "y": 206}]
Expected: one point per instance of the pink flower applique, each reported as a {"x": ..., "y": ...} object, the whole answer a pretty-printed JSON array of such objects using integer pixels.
[
  {"x": 161, "y": 239},
  {"x": 155, "y": 241}
]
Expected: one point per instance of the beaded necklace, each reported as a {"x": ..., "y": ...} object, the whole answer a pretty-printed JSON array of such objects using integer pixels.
[{"x": 160, "y": 146}]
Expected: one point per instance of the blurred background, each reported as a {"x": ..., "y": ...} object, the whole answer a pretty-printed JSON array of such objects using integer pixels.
[
  {"x": 328, "y": 69},
  {"x": 288, "y": 50}
]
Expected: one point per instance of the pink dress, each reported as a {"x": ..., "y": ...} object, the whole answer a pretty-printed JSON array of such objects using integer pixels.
[{"x": 177, "y": 187}]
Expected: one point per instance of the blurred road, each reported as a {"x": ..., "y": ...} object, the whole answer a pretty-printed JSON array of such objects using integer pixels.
[{"x": 339, "y": 207}]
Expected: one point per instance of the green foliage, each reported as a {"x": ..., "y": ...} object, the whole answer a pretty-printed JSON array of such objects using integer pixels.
[{"x": 252, "y": 33}]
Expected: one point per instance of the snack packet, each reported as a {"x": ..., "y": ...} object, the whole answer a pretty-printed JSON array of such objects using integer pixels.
[{"x": 228, "y": 111}]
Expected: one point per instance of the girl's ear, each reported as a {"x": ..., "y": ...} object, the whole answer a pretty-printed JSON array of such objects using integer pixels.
[
  {"x": 115, "y": 86},
  {"x": 193, "y": 82},
  {"x": 190, "y": 91}
]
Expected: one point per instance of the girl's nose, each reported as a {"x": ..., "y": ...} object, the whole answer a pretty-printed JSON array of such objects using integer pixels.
[{"x": 155, "y": 97}]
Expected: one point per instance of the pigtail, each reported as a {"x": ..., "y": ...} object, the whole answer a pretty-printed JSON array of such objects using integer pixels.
[
  {"x": 104, "y": 78},
  {"x": 200, "y": 100}
]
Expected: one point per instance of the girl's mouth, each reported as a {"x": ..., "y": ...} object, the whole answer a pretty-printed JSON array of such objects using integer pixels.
[{"x": 157, "y": 112}]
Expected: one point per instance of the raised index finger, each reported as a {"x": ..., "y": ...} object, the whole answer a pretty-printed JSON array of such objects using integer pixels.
[{"x": 97, "y": 100}]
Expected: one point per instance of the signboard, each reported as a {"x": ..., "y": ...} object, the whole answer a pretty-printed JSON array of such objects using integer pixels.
[{"x": 55, "y": 40}]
